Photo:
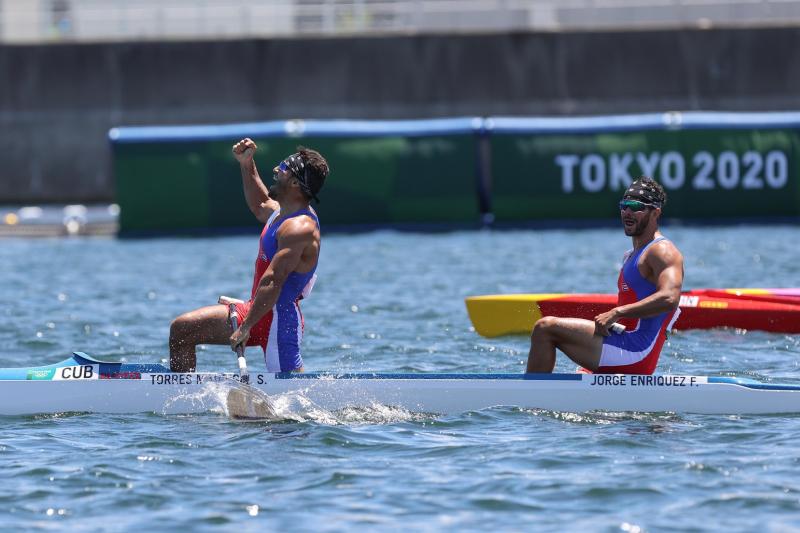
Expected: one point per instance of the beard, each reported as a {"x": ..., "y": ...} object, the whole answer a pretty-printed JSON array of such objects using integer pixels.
[
  {"x": 273, "y": 191},
  {"x": 637, "y": 228}
]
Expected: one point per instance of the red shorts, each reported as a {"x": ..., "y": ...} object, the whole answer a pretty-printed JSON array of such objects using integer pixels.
[
  {"x": 633, "y": 352},
  {"x": 259, "y": 334},
  {"x": 619, "y": 357}
]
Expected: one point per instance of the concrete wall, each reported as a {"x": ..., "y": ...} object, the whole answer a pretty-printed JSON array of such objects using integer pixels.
[{"x": 58, "y": 102}]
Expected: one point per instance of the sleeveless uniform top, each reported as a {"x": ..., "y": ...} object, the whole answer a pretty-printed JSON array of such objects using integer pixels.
[
  {"x": 636, "y": 350},
  {"x": 268, "y": 247},
  {"x": 282, "y": 327}
]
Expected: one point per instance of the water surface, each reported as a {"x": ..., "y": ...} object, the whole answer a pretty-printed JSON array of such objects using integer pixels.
[{"x": 388, "y": 301}]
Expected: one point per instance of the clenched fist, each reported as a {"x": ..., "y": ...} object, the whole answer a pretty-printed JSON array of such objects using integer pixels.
[{"x": 244, "y": 150}]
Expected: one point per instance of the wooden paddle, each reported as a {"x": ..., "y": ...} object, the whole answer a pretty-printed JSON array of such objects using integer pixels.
[{"x": 245, "y": 401}]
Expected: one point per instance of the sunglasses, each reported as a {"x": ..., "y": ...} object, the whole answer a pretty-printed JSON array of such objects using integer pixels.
[
  {"x": 633, "y": 205},
  {"x": 284, "y": 167}
]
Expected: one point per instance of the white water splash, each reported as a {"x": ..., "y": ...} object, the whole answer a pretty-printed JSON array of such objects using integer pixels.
[
  {"x": 293, "y": 406},
  {"x": 211, "y": 397},
  {"x": 297, "y": 407}
]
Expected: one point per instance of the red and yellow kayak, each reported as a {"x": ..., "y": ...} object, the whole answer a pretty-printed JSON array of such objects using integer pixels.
[{"x": 776, "y": 310}]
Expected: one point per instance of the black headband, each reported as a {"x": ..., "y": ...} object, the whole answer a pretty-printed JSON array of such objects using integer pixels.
[{"x": 300, "y": 171}]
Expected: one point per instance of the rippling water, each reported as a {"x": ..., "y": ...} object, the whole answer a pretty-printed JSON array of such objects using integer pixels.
[{"x": 389, "y": 302}]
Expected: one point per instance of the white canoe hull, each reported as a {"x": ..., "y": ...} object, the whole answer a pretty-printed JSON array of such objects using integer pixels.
[{"x": 82, "y": 384}]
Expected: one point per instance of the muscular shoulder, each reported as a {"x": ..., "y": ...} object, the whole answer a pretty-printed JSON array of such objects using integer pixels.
[
  {"x": 297, "y": 229},
  {"x": 664, "y": 253}
]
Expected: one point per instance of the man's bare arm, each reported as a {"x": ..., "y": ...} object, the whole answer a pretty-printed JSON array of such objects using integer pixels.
[
  {"x": 256, "y": 193},
  {"x": 666, "y": 263},
  {"x": 293, "y": 238}
]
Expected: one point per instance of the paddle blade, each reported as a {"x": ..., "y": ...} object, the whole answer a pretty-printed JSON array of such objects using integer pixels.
[{"x": 249, "y": 404}]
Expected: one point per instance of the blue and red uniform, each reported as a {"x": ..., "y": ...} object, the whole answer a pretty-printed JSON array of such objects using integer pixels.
[
  {"x": 636, "y": 350},
  {"x": 280, "y": 331}
]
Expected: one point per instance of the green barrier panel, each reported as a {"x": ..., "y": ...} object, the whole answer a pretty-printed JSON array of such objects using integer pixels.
[
  {"x": 383, "y": 180},
  {"x": 714, "y": 166},
  {"x": 162, "y": 186},
  {"x": 574, "y": 170},
  {"x": 383, "y": 173}
]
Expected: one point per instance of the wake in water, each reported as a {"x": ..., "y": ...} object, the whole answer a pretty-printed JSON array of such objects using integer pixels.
[{"x": 602, "y": 418}]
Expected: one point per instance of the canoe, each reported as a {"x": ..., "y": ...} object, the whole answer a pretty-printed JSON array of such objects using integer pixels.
[
  {"x": 82, "y": 383},
  {"x": 775, "y": 310}
]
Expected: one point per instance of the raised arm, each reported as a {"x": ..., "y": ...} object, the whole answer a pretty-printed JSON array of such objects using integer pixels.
[{"x": 256, "y": 193}]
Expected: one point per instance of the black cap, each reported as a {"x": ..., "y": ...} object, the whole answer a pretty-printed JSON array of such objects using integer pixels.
[{"x": 645, "y": 190}]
